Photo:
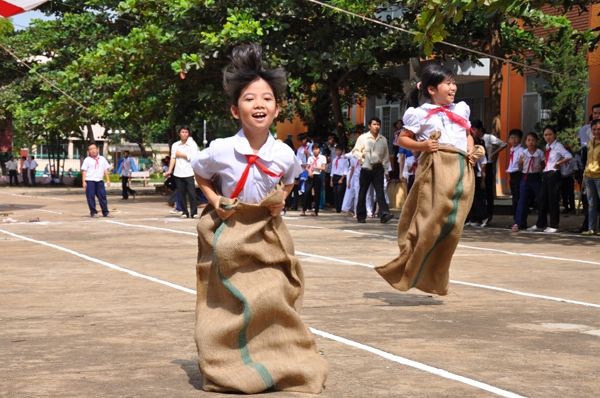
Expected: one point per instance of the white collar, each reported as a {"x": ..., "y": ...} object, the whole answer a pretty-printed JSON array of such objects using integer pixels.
[{"x": 242, "y": 146}]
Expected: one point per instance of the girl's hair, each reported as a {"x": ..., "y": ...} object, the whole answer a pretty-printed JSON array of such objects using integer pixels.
[
  {"x": 247, "y": 66},
  {"x": 477, "y": 124},
  {"x": 533, "y": 135},
  {"x": 432, "y": 75},
  {"x": 551, "y": 128},
  {"x": 594, "y": 122}
]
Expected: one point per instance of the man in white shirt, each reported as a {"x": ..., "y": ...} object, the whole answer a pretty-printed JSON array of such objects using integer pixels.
[
  {"x": 32, "y": 169},
  {"x": 126, "y": 169},
  {"x": 182, "y": 153},
  {"x": 12, "y": 167},
  {"x": 585, "y": 133},
  {"x": 25, "y": 171},
  {"x": 371, "y": 149},
  {"x": 93, "y": 170}
]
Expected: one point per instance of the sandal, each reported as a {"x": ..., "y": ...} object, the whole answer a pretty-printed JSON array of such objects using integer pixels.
[
  {"x": 183, "y": 216},
  {"x": 303, "y": 214},
  {"x": 515, "y": 228}
]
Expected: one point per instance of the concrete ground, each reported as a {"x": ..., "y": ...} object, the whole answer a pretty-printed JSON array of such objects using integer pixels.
[{"x": 105, "y": 307}]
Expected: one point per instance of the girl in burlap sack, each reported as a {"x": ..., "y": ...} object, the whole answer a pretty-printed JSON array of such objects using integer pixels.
[
  {"x": 434, "y": 213},
  {"x": 249, "y": 333}
]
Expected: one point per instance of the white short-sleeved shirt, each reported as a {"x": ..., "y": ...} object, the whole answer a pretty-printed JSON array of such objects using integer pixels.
[
  {"x": 227, "y": 157},
  {"x": 183, "y": 166},
  {"x": 557, "y": 153},
  {"x": 355, "y": 163},
  {"x": 532, "y": 162},
  {"x": 452, "y": 134},
  {"x": 513, "y": 158},
  {"x": 490, "y": 140},
  {"x": 33, "y": 164},
  {"x": 25, "y": 164},
  {"x": 482, "y": 161},
  {"x": 339, "y": 166},
  {"x": 94, "y": 168},
  {"x": 319, "y": 161},
  {"x": 126, "y": 167},
  {"x": 12, "y": 164},
  {"x": 568, "y": 168},
  {"x": 301, "y": 156},
  {"x": 585, "y": 135}
]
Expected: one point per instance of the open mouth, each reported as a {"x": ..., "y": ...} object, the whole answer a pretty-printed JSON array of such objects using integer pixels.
[{"x": 260, "y": 116}]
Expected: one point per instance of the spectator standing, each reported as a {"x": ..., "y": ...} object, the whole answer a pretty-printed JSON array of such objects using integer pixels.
[
  {"x": 93, "y": 170},
  {"x": 126, "y": 169},
  {"x": 330, "y": 154},
  {"x": 567, "y": 172},
  {"x": 12, "y": 167},
  {"x": 371, "y": 150},
  {"x": 180, "y": 167},
  {"x": 25, "y": 171},
  {"x": 516, "y": 150},
  {"x": 585, "y": 133},
  {"x": 493, "y": 146},
  {"x": 396, "y": 174},
  {"x": 592, "y": 178},
  {"x": 32, "y": 170},
  {"x": 316, "y": 165},
  {"x": 339, "y": 169},
  {"x": 548, "y": 202},
  {"x": 530, "y": 164}
]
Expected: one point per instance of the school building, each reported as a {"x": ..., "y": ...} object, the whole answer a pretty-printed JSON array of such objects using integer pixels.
[{"x": 521, "y": 105}]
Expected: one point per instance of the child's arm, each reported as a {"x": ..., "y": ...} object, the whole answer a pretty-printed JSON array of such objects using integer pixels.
[
  {"x": 213, "y": 198},
  {"x": 407, "y": 141},
  {"x": 276, "y": 209},
  {"x": 470, "y": 145},
  {"x": 107, "y": 177}
]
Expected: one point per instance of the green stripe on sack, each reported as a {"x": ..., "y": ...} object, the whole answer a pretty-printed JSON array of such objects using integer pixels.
[
  {"x": 451, "y": 222},
  {"x": 242, "y": 342}
]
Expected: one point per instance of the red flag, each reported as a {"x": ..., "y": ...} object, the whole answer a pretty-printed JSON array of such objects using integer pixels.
[{"x": 8, "y": 8}]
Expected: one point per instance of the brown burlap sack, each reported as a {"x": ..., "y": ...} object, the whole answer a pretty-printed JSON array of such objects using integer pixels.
[
  {"x": 432, "y": 221},
  {"x": 249, "y": 333}
]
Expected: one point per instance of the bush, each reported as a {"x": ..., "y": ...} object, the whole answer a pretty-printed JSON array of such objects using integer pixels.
[{"x": 115, "y": 178}]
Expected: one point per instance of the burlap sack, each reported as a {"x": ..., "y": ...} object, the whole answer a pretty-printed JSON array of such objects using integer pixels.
[
  {"x": 249, "y": 333},
  {"x": 432, "y": 221}
]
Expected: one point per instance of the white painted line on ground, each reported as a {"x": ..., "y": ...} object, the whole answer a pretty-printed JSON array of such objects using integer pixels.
[
  {"x": 558, "y": 299},
  {"x": 418, "y": 365},
  {"x": 392, "y": 357},
  {"x": 304, "y": 226},
  {"x": 36, "y": 197},
  {"x": 531, "y": 255},
  {"x": 95, "y": 260}
]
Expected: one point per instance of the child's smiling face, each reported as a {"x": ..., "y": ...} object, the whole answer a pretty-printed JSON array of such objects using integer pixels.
[{"x": 257, "y": 107}]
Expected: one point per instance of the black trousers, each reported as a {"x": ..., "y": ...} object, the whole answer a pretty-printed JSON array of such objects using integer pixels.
[
  {"x": 568, "y": 193},
  {"x": 515, "y": 190},
  {"x": 186, "y": 187},
  {"x": 291, "y": 202},
  {"x": 490, "y": 187},
  {"x": 25, "y": 175},
  {"x": 368, "y": 177},
  {"x": 315, "y": 182},
  {"x": 339, "y": 190},
  {"x": 329, "y": 195},
  {"x": 125, "y": 187},
  {"x": 478, "y": 211},
  {"x": 548, "y": 201},
  {"x": 12, "y": 174}
]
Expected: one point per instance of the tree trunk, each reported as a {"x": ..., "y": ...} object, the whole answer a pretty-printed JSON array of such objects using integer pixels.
[
  {"x": 495, "y": 78},
  {"x": 90, "y": 134},
  {"x": 336, "y": 103}
]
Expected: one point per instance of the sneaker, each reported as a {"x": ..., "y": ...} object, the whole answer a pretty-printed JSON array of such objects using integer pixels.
[
  {"x": 534, "y": 228},
  {"x": 485, "y": 222},
  {"x": 175, "y": 211},
  {"x": 476, "y": 224},
  {"x": 386, "y": 217},
  {"x": 588, "y": 233},
  {"x": 551, "y": 230}
]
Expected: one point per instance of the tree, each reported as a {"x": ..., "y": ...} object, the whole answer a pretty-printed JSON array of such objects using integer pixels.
[{"x": 564, "y": 96}]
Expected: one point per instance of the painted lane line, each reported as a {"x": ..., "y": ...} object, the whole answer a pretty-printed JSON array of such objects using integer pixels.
[
  {"x": 417, "y": 365},
  {"x": 95, "y": 260},
  {"x": 526, "y": 294},
  {"x": 392, "y": 357},
  {"x": 36, "y": 197},
  {"x": 531, "y": 255},
  {"x": 532, "y": 295},
  {"x": 154, "y": 228},
  {"x": 304, "y": 226}
]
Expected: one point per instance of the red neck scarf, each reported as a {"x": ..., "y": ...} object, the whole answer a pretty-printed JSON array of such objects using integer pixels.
[
  {"x": 252, "y": 159},
  {"x": 547, "y": 157},
  {"x": 454, "y": 118},
  {"x": 97, "y": 159}
]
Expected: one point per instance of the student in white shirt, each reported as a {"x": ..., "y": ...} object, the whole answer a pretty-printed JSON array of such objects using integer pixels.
[
  {"x": 548, "y": 202},
  {"x": 339, "y": 169},
  {"x": 25, "y": 171},
  {"x": 567, "y": 186},
  {"x": 516, "y": 149},
  {"x": 531, "y": 163},
  {"x": 93, "y": 170},
  {"x": 585, "y": 133},
  {"x": 315, "y": 166},
  {"x": 255, "y": 175},
  {"x": 180, "y": 166},
  {"x": 32, "y": 169},
  {"x": 126, "y": 170},
  {"x": 12, "y": 167}
]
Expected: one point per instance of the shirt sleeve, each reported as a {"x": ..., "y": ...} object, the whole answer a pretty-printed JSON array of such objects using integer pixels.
[
  {"x": 203, "y": 162},
  {"x": 412, "y": 120},
  {"x": 174, "y": 150},
  {"x": 564, "y": 153},
  {"x": 497, "y": 141},
  {"x": 463, "y": 110},
  {"x": 357, "y": 151},
  {"x": 85, "y": 165}
]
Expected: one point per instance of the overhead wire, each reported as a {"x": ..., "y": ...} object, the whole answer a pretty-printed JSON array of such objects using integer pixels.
[{"x": 480, "y": 53}]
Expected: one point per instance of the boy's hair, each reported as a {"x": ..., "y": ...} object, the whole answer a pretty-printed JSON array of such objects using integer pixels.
[
  {"x": 338, "y": 146},
  {"x": 92, "y": 143},
  {"x": 516, "y": 132},
  {"x": 432, "y": 75},
  {"x": 302, "y": 136},
  {"x": 534, "y": 135},
  {"x": 184, "y": 127},
  {"x": 374, "y": 119},
  {"x": 595, "y": 106},
  {"x": 246, "y": 67},
  {"x": 477, "y": 124}
]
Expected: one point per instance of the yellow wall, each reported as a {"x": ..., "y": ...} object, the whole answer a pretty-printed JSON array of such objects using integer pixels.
[{"x": 294, "y": 128}]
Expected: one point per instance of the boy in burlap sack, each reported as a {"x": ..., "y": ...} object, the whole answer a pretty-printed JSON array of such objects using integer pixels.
[
  {"x": 249, "y": 333},
  {"x": 433, "y": 216}
]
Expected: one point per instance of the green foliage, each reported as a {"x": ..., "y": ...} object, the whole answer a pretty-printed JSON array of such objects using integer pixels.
[{"x": 564, "y": 97}]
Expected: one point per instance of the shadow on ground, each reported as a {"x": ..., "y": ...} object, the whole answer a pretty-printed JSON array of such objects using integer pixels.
[{"x": 190, "y": 367}]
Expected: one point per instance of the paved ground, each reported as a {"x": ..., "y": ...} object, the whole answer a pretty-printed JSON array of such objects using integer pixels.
[{"x": 99, "y": 307}]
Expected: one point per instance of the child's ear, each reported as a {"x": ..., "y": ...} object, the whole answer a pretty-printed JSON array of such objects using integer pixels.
[
  {"x": 431, "y": 90},
  {"x": 277, "y": 110},
  {"x": 235, "y": 111}
]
